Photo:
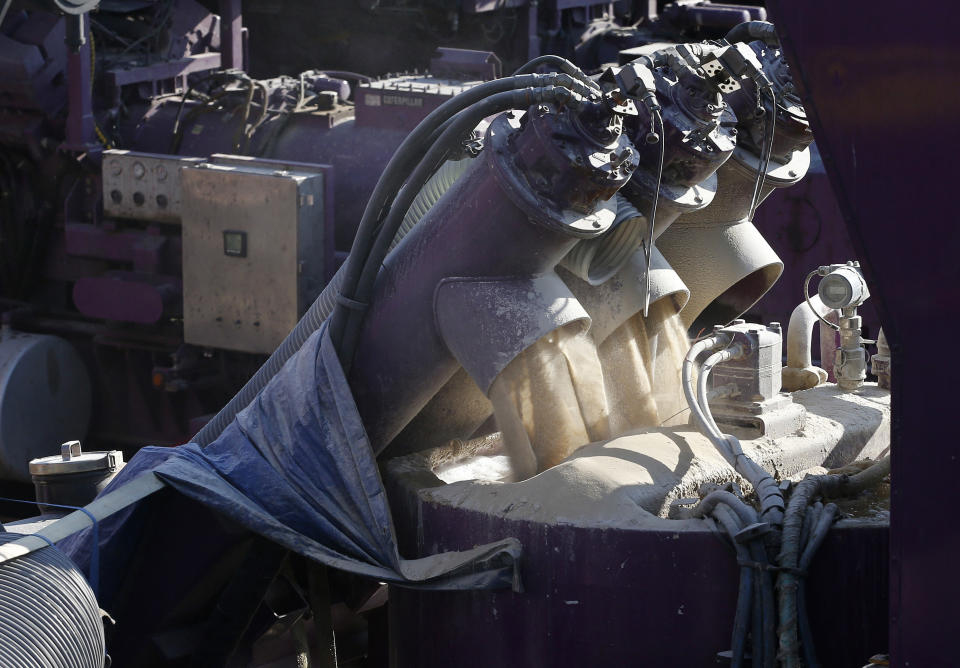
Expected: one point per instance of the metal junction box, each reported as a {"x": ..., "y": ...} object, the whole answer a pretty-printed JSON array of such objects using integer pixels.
[{"x": 253, "y": 252}]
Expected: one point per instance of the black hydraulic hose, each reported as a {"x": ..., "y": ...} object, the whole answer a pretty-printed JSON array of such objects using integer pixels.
[
  {"x": 824, "y": 520},
  {"x": 408, "y": 154},
  {"x": 764, "y": 614},
  {"x": 789, "y": 558},
  {"x": 749, "y": 31},
  {"x": 745, "y": 513},
  {"x": 768, "y": 605},
  {"x": 558, "y": 63},
  {"x": 352, "y": 319},
  {"x": 810, "y": 521},
  {"x": 765, "y": 650},
  {"x": 745, "y": 597},
  {"x": 756, "y": 624}
]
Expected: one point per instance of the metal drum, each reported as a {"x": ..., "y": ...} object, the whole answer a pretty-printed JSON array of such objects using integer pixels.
[{"x": 44, "y": 399}]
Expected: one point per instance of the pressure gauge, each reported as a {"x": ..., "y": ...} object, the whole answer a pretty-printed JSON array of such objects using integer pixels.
[{"x": 843, "y": 287}]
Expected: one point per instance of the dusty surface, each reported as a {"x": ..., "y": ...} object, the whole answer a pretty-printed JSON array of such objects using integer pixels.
[{"x": 612, "y": 483}]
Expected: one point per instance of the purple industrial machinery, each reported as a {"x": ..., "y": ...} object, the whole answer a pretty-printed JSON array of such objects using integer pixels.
[
  {"x": 160, "y": 249},
  {"x": 101, "y": 265},
  {"x": 95, "y": 252}
]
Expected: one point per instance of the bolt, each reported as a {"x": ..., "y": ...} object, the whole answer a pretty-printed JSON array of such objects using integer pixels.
[
  {"x": 792, "y": 172},
  {"x": 698, "y": 199}
]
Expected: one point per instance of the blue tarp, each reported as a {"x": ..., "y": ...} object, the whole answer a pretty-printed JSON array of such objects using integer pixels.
[{"x": 296, "y": 467}]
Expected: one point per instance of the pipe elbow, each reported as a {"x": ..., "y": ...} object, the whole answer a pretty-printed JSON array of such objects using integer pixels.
[{"x": 800, "y": 374}]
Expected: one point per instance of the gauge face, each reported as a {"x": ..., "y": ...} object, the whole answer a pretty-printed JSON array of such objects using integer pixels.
[
  {"x": 835, "y": 291},
  {"x": 115, "y": 167},
  {"x": 139, "y": 170},
  {"x": 842, "y": 288},
  {"x": 160, "y": 172}
]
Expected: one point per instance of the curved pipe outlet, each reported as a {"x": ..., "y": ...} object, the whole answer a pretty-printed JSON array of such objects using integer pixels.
[
  {"x": 800, "y": 374},
  {"x": 620, "y": 298},
  {"x": 727, "y": 268},
  {"x": 488, "y": 245},
  {"x": 718, "y": 253}
]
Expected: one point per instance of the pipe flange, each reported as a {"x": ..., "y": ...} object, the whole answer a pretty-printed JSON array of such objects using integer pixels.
[
  {"x": 526, "y": 190},
  {"x": 778, "y": 175}
]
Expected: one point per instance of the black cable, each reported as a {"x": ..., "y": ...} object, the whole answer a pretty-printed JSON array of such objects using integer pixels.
[
  {"x": 405, "y": 158},
  {"x": 466, "y": 121},
  {"x": 648, "y": 248},
  {"x": 765, "y": 152},
  {"x": 817, "y": 535},
  {"x": 745, "y": 594},
  {"x": 561, "y": 64}
]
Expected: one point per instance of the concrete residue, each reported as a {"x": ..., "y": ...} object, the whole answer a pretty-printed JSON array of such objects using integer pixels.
[
  {"x": 630, "y": 481},
  {"x": 564, "y": 391}
]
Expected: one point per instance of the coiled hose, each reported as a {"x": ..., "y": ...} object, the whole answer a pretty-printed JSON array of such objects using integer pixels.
[
  {"x": 341, "y": 290},
  {"x": 597, "y": 260},
  {"x": 48, "y": 614},
  {"x": 430, "y": 194}
]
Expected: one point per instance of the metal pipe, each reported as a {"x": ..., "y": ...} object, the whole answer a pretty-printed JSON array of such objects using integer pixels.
[
  {"x": 800, "y": 374},
  {"x": 453, "y": 277}
]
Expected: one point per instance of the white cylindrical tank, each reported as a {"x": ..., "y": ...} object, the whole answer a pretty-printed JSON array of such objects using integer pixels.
[{"x": 44, "y": 399}]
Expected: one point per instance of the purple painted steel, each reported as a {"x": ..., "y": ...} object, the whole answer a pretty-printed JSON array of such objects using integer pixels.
[
  {"x": 231, "y": 33},
  {"x": 80, "y": 135},
  {"x": 33, "y": 57},
  {"x": 167, "y": 69},
  {"x": 466, "y": 64},
  {"x": 882, "y": 100},
  {"x": 509, "y": 216},
  {"x": 126, "y": 297},
  {"x": 143, "y": 250},
  {"x": 616, "y": 597},
  {"x": 804, "y": 226}
]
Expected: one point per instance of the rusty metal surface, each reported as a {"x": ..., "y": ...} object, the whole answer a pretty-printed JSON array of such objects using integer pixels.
[{"x": 882, "y": 98}]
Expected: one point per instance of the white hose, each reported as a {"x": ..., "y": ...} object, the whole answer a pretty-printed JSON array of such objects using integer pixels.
[
  {"x": 704, "y": 424},
  {"x": 771, "y": 499},
  {"x": 702, "y": 392}
]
